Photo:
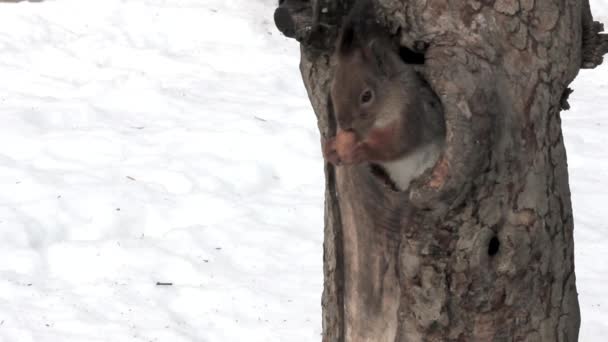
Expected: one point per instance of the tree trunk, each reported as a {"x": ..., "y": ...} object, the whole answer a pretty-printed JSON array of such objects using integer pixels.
[{"x": 481, "y": 248}]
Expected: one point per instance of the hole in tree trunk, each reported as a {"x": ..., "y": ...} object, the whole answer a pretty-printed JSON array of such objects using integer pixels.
[
  {"x": 493, "y": 246},
  {"x": 410, "y": 56}
]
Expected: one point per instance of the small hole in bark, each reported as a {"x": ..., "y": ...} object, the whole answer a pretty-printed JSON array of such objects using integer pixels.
[
  {"x": 281, "y": 2},
  {"x": 410, "y": 56},
  {"x": 494, "y": 246}
]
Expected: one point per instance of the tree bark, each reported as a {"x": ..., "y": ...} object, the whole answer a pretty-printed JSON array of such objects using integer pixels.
[{"x": 481, "y": 247}]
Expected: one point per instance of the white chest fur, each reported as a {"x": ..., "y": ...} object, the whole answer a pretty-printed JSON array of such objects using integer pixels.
[{"x": 403, "y": 170}]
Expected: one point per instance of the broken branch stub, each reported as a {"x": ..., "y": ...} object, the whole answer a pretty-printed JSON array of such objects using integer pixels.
[
  {"x": 294, "y": 19},
  {"x": 313, "y": 23},
  {"x": 595, "y": 43}
]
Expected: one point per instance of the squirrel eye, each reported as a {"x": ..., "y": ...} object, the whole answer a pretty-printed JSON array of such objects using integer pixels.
[{"x": 367, "y": 96}]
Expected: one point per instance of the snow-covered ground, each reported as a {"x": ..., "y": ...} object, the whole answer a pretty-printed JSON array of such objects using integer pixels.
[
  {"x": 172, "y": 141},
  {"x": 147, "y": 141},
  {"x": 586, "y": 140}
]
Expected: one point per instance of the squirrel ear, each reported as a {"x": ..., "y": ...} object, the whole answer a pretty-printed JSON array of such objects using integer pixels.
[
  {"x": 379, "y": 51},
  {"x": 348, "y": 40},
  {"x": 356, "y": 27}
]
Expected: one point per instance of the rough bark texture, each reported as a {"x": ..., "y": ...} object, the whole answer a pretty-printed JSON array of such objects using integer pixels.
[{"x": 481, "y": 248}]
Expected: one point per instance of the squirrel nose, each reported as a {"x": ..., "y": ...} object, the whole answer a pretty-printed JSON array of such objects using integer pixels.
[
  {"x": 345, "y": 129},
  {"x": 342, "y": 132}
]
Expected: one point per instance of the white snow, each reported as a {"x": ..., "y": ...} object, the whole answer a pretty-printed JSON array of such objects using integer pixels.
[
  {"x": 586, "y": 140},
  {"x": 147, "y": 141}
]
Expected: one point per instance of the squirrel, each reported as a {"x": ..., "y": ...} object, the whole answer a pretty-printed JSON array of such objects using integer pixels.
[{"x": 386, "y": 113}]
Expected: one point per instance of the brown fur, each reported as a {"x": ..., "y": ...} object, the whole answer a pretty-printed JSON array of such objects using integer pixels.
[{"x": 403, "y": 114}]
